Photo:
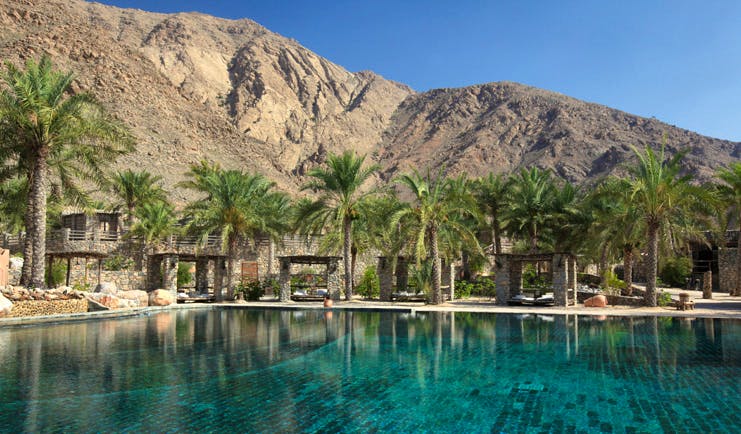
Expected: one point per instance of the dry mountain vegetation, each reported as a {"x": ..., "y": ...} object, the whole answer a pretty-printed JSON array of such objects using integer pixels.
[{"x": 192, "y": 86}]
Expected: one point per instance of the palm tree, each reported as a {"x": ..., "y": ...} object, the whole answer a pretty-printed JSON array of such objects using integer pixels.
[
  {"x": 492, "y": 192},
  {"x": 437, "y": 208},
  {"x": 134, "y": 189},
  {"x": 616, "y": 223},
  {"x": 41, "y": 120},
  {"x": 730, "y": 193},
  {"x": 339, "y": 187},
  {"x": 388, "y": 237},
  {"x": 155, "y": 222},
  {"x": 530, "y": 204},
  {"x": 238, "y": 205},
  {"x": 661, "y": 194}
]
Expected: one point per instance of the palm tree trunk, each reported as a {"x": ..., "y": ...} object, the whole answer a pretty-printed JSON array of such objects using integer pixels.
[
  {"x": 436, "y": 267},
  {"x": 37, "y": 194},
  {"x": 495, "y": 233},
  {"x": 230, "y": 266},
  {"x": 652, "y": 263},
  {"x": 603, "y": 266},
  {"x": 628, "y": 270},
  {"x": 354, "y": 261},
  {"x": 347, "y": 244},
  {"x": 27, "y": 247},
  {"x": 534, "y": 241}
]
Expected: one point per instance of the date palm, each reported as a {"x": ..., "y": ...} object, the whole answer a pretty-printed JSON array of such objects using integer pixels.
[
  {"x": 661, "y": 195},
  {"x": 531, "y": 202},
  {"x": 730, "y": 194},
  {"x": 339, "y": 188},
  {"x": 237, "y": 206},
  {"x": 135, "y": 189},
  {"x": 41, "y": 120},
  {"x": 491, "y": 192},
  {"x": 437, "y": 208},
  {"x": 155, "y": 222}
]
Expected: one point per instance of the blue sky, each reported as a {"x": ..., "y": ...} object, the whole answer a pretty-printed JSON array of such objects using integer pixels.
[{"x": 679, "y": 61}]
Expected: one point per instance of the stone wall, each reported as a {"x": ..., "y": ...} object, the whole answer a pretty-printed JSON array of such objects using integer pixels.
[{"x": 727, "y": 269}]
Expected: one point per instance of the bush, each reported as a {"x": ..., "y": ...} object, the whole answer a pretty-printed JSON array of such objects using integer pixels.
[
  {"x": 481, "y": 287},
  {"x": 117, "y": 263},
  {"x": 615, "y": 286},
  {"x": 531, "y": 279},
  {"x": 251, "y": 290},
  {"x": 663, "y": 299},
  {"x": 184, "y": 276},
  {"x": 370, "y": 284},
  {"x": 58, "y": 274},
  {"x": 676, "y": 271}
]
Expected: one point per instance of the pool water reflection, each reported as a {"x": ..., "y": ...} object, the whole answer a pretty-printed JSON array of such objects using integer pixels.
[{"x": 269, "y": 370}]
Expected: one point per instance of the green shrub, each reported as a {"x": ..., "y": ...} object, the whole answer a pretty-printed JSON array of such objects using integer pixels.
[
  {"x": 81, "y": 286},
  {"x": 463, "y": 289},
  {"x": 615, "y": 286},
  {"x": 184, "y": 276},
  {"x": 676, "y": 271},
  {"x": 663, "y": 299},
  {"x": 117, "y": 263},
  {"x": 531, "y": 279},
  {"x": 57, "y": 274},
  {"x": 370, "y": 284},
  {"x": 251, "y": 290}
]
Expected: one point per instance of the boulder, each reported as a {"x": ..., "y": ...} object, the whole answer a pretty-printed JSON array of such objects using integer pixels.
[
  {"x": 107, "y": 288},
  {"x": 141, "y": 298},
  {"x": 5, "y": 306},
  {"x": 107, "y": 300},
  {"x": 596, "y": 301},
  {"x": 161, "y": 297}
]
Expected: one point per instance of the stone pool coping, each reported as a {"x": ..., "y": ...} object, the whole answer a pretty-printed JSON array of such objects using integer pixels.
[{"x": 721, "y": 306}]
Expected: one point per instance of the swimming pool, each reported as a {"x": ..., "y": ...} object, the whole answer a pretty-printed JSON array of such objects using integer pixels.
[{"x": 313, "y": 370}]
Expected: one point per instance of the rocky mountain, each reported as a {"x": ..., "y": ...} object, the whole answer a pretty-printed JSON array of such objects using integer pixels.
[
  {"x": 504, "y": 126},
  {"x": 192, "y": 86}
]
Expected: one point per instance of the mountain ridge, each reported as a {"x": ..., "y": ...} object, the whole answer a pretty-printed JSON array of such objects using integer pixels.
[{"x": 193, "y": 86}]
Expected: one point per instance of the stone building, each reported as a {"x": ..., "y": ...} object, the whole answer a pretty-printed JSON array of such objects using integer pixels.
[{"x": 719, "y": 257}]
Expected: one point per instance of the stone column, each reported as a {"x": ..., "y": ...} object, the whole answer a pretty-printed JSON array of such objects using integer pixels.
[
  {"x": 572, "y": 277},
  {"x": 502, "y": 279},
  {"x": 559, "y": 265},
  {"x": 284, "y": 279},
  {"x": 154, "y": 272},
  {"x": 402, "y": 274},
  {"x": 385, "y": 277},
  {"x": 707, "y": 284},
  {"x": 334, "y": 279},
  {"x": 170, "y": 273},
  {"x": 202, "y": 275},
  {"x": 271, "y": 259},
  {"x": 452, "y": 281},
  {"x": 219, "y": 271}
]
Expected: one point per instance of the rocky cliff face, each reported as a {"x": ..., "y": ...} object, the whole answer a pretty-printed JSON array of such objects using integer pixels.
[
  {"x": 193, "y": 86},
  {"x": 503, "y": 126}
]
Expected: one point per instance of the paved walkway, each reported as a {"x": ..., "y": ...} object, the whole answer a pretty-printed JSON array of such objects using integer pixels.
[{"x": 720, "y": 306}]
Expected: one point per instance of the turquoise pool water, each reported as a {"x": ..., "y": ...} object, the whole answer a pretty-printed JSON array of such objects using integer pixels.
[{"x": 315, "y": 371}]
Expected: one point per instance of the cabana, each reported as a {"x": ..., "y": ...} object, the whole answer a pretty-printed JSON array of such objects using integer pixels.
[
  {"x": 508, "y": 275},
  {"x": 331, "y": 274}
]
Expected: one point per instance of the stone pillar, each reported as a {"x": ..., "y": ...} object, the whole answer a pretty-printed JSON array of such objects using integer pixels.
[
  {"x": 707, "y": 284},
  {"x": 334, "y": 279},
  {"x": 170, "y": 273},
  {"x": 559, "y": 265},
  {"x": 572, "y": 277},
  {"x": 385, "y": 277},
  {"x": 284, "y": 279},
  {"x": 402, "y": 274},
  {"x": 502, "y": 279},
  {"x": 202, "y": 275},
  {"x": 154, "y": 272},
  {"x": 219, "y": 272},
  {"x": 271, "y": 259}
]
